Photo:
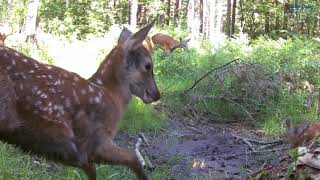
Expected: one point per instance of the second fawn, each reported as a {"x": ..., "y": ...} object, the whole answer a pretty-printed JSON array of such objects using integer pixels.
[{"x": 168, "y": 44}]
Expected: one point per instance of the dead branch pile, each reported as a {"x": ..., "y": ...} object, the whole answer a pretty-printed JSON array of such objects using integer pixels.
[{"x": 242, "y": 87}]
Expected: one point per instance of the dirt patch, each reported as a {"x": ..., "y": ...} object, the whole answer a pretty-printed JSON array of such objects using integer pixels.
[{"x": 208, "y": 151}]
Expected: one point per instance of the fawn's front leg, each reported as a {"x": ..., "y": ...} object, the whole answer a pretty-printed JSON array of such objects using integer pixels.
[{"x": 110, "y": 153}]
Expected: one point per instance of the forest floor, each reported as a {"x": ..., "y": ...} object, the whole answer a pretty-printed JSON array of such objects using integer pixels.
[{"x": 207, "y": 150}]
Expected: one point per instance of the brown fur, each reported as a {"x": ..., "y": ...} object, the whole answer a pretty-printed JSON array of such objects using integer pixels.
[
  {"x": 302, "y": 135},
  {"x": 168, "y": 43},
  {"x": 5, "y": 31},
  {"x": 72, "y": 120}
]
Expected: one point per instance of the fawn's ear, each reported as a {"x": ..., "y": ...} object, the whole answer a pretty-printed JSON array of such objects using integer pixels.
[
  {"x": 135, "y": 41},
  {"x": 125, "y": 34}
]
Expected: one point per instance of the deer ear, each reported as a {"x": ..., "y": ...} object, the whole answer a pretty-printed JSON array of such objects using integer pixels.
[
  {"x": 135, "y": 41},
  {"x": 125, "y": 34}
]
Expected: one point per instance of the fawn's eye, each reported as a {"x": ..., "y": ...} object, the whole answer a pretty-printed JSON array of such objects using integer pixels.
[{"x": 148, "y": 66}]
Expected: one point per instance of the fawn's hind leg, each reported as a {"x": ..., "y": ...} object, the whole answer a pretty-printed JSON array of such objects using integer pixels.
[{"x": 110, "y": 153}]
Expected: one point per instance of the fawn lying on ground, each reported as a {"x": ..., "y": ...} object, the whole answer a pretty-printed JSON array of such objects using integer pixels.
[{"x": 58, "y": 114}]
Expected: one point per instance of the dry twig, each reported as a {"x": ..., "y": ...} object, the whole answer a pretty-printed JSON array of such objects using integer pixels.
[{"x": 197, "y": 81}]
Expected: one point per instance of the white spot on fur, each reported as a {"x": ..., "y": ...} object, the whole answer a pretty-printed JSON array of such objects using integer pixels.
[
  {"x": 21, "y": 87},
  {"x": 90, "y": 89},
  {"x": 17, "y": 54},
  {"x": 83, "y": 91},
  {"x": 97, "y": 100},
  {"x": 32, "y": 71},
  {"x": 67, "y": 102},
  {"x": 13, "y": 62},
  {"x": 98, "y": 81},
  {"x": 8, "y": 68},
  {"x": 76, "y": 78},
  {"x": 25, "y": 60}
]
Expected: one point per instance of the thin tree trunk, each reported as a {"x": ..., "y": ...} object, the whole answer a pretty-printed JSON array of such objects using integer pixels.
[
  {"x": 220, "y": 8},
  {"x": 161, "y": 18},
  {"x": 168, "y": 12},
  {"x": 190, "y": 16},
  {"x": 212, "y": 18},
  {"x": 31, "y": 20},
  {"x": 228, "y": 20},
  {"x": 267, "y": 22},
  {"x": 241, "y": 16},
  {"x": 233, "y": 19},
  {"x": 201, "y": 17},
  {"x": 133, "y": 13},
  {"x": 176, "y": 13},
  {"x": 285, "y": 17},
  {"x": 277, "y": 18}
]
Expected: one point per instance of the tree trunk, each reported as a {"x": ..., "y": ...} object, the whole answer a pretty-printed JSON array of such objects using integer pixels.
[
  {"x": 133, "y": 13},
  {"x": 8, "y": 4},
  {"x": 267, "y": 22},
  {"x": 241, "y": 16},
  {"x": 233, "y": 19},
  {"x": 212, "y": 18},
  {"x": 285, "y": 17},
  {"x": 277, "y": 18},
  {"x": 190, "y": 16},
  {"x": 168, "y": 12},
  {"x": 201, "y": 17},
  {"x": 176, "y": 13},
  {"x": 220, "y": 8},
  {"x": 161, "y": 18},
  {"x": 228, "y": 16},
  {"x": 31, "y": 21}
]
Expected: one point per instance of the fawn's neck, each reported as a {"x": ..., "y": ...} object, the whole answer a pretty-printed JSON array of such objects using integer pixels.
[{"x": 111, "y": 74}]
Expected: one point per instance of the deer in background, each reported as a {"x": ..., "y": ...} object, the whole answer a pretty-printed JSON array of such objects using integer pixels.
[
  {"x": 168, "y": 44},
  {"x": 65, "y": 118},
  {"x": 5, "y": 31}
]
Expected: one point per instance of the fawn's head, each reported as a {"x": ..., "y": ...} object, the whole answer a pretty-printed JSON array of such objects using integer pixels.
[
  {"x": 183, "y": 43},
  {"x": 139, "y": 65}
]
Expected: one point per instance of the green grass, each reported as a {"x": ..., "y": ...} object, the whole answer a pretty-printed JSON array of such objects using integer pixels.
[
  {"x": 141, "y": 117},
  {"x": 16, "y": 165}
]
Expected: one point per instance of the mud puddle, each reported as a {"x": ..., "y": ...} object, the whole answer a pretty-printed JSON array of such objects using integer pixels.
[{"x": 208, "y": 151}]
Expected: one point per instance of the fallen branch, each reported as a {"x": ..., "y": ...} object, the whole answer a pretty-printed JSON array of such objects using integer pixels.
[
  {"x": 257, "y": 152},
  {"x": 137, "y": 151},
  {"x": 240, "y": 106},
  {"x": 197, "y": 81},
  {"x": 259, "y": 142},
  {"x": 144, "y": 138}
]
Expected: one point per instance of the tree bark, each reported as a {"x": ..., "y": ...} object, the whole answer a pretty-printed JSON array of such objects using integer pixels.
[
  {"x": 176, "y": 13},
  {"x": 228, "y": 20},
  {"x": 219, "y": 23},
  {"x": 162, "y": 18},
  {"x": 277, "y": 27},
  {"x": 168, "y": 12},
  {"x": 190, "y": 16},
  {"x": 212, "y": 18},
  {"x": 201, "y": 17},
  {"x": 31, "y": 21},
  {"x": 133, "y": 13},
  {"x": 267, "y": 22},
  {"x": 233, "y": 19}
]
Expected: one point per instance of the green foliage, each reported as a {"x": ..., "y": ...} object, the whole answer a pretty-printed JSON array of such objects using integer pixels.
[
  {"x": 141, "y": 117},
  {"x": 255, "y": 89}
]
